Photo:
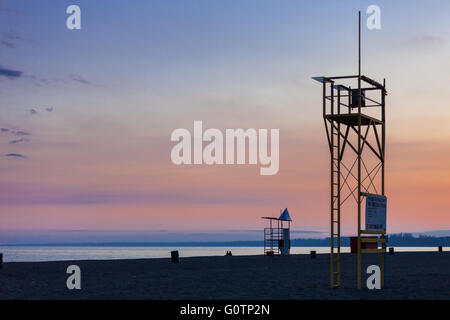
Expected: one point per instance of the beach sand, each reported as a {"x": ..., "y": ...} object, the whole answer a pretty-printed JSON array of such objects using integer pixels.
[{"x": 424, "y": 275}]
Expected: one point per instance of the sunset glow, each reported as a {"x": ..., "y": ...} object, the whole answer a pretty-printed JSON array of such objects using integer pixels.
[{"x": 95, "y": 152}]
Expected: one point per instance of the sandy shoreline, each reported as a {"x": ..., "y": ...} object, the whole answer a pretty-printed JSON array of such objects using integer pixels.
[{"x": 418, "y": 275}]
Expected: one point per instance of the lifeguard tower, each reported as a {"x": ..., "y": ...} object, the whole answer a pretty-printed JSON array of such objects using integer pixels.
[
  {"x": 277, "y": 236},
  {"x": 355, "y": 124}
]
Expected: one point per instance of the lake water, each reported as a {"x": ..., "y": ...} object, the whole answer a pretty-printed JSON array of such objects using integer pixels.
[{"x": 55, "y": 253}]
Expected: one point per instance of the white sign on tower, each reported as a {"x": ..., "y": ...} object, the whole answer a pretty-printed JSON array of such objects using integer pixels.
[{"x": 376, "y": 212}]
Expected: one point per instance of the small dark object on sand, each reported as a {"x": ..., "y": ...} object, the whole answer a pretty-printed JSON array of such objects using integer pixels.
[
  {"x": 391, "y": 250},
  {"x": 175, "y": 256},
  {"x": 440, "y": 248},
  {"x": 313, "y": 254},
  {"x": 229, "y": 253}
]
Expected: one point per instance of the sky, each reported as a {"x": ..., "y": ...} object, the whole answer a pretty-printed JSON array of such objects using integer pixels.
[{"x": 87, "y": 115}]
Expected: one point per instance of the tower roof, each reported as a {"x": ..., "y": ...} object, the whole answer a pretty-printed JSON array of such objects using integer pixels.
[{"x": 285, "y": 215}]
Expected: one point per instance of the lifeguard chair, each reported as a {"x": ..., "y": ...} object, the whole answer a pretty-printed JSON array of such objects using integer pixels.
[{"x": 277, "y": 236}]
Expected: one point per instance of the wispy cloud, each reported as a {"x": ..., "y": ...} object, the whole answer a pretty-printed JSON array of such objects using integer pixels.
[
  {"x": 68, "y": 80},
  {"x": 50, "y": 196},
  {"x": 33, "y": 111},
  {"x": 22, "y": 133},
  {"x": 80, "y": 79},
  {"x": 8, "y": 44},
  {"x": 18, "y": 141},
  {"x": 10, "y": 73},
  {"x": 49, "y": 109},
  {"x": 15, "y": 155},
  {"x": 425, "y": 41},
  {"x": 13, "y": 37},
  {"x": 11, "y": 41}
]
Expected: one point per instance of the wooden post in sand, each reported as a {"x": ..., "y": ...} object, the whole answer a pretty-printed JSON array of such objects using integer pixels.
[
  {"x": 313, "y": 254},
  {"x": 391, "y": 250},
  {"x": 1, "y": 260},
  {"x": 175, "y": 256},
  {"x": 440, "y": 248}
]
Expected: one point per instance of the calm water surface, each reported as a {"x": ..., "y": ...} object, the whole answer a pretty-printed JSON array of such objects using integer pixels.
[{"x": 52, "y": 253}]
